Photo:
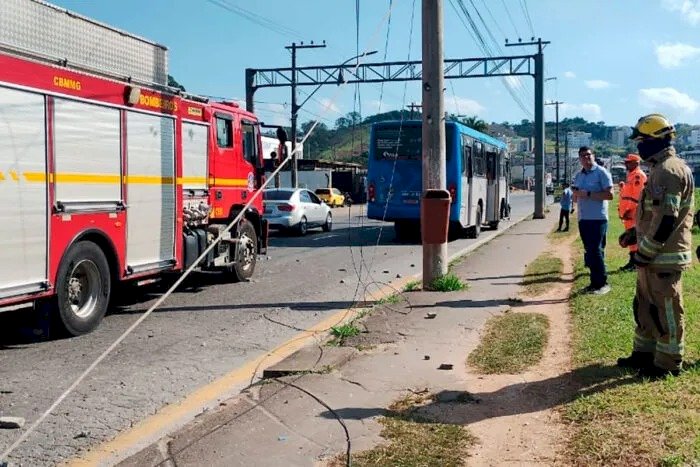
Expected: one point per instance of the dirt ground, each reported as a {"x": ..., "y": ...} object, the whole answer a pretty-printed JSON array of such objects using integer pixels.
[{"x": 518, "y": 423}]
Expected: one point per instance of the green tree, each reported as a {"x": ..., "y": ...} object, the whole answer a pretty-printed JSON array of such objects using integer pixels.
[
  {"x": 172, "y": 82},
  {"x": 475, "y": 123}
]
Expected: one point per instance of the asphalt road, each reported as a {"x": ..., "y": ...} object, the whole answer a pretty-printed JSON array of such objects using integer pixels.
[{"x": 203, "y": 331}]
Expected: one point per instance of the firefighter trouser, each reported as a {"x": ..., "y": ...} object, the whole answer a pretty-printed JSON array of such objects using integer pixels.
[
  {"x": 658, "y": 312},
  {"x": 628, "y": 225}
]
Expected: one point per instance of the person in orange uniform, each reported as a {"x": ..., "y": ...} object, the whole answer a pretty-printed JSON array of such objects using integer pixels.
[{"x": 630, "y": 192}]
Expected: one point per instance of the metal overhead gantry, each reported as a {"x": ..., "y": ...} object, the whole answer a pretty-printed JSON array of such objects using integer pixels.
[{"x": 517, "y": 65}]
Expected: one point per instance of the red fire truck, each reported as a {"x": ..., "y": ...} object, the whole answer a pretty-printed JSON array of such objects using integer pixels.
[{"x": 106, "y": 173}]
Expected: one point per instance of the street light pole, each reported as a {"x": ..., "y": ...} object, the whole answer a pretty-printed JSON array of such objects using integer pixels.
[{"x": 556, "y": 144}]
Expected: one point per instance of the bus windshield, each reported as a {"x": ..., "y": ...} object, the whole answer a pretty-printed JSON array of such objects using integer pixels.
[{"x": 403, "y": 143}]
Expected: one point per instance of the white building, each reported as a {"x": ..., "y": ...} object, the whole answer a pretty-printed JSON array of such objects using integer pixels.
[
  {"x": 519, "y": 144},
  {"x": 694, "y": 138},
  {"x": 620, "y": 135},
  {"x": 578, "y": 139},
  {"x": 271, "y": 144}
]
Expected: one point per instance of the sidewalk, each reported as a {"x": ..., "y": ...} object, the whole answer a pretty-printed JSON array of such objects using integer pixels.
[{"x": 275, "y": 423}]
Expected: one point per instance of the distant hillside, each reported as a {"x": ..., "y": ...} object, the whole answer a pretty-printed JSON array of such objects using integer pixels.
[{"x": 348, "y": 141}]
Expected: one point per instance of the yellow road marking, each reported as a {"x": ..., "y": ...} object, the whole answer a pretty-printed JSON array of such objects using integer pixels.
[
  {"x": 14, "y": 175},
  {"x": 2, "y": 176},
  {"x": 174, "y": 416}
]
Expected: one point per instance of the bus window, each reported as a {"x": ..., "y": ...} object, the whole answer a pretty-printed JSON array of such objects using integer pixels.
[
  {"x": 502, "y": 164},
  {"x": 467, "y": 157},
  {"x": 491, "y": 167},
  {"x": 478, "y": 160}
]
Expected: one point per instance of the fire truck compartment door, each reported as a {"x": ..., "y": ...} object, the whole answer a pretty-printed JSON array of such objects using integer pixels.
[
  {"x": 194, "y": 156},
  {"x": 87, "y": 151},
  {"x": 23, "y": 191},
  {"x": 150, "y": 195}
]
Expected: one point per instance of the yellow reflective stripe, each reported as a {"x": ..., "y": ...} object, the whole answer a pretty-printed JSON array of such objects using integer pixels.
[
  {"x": 228, "y": 181},
  {"x": 193, "y": 180},
  {"x": 644, "y": 344},
  {"x": 670, "y": 348},
  {"x": 14, "y": 176},
  {"x": 35, "y": 177},
  {"x": 86, "y": 178},
  {"x": 649, "y": 247},
  {"x": 2, "y": 176},
  {"x": 671, "y": 320},
  {"x": 673, "y": 200},
  {"x": 682, "y": 257},
  {"x": 148, "y": 180}
]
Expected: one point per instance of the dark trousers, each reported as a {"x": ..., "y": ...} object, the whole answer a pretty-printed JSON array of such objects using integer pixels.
[
  {"x": 564, "y": 216},
  {"x": 593, "y": 233}
]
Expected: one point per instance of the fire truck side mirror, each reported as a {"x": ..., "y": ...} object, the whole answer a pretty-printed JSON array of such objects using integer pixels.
[{"x": 273, "y": 155}]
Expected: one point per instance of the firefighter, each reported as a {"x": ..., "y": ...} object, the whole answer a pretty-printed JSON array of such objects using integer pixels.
[
  {"x": 630, "y": 193},
  {"x": 664, "y": 219}
]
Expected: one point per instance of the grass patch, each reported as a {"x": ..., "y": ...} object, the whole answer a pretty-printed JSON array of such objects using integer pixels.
[
  {"x": 619, "y": 419},
  {"x": 412, "y": 286},
  {"x": 511, "y": 343},
  {"x": 447, "y": 283},
  {"x": 393, "y": 298},
  {"x": 413, "y": 440},
  {"x": 342, "y": 332},
  {"x": 541, "y": 274}
]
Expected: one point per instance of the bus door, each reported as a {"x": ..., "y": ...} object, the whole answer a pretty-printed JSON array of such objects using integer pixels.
[
  {"x": 465, "y": 210},
  {"x": 506, "y": 183},
  {"x": 492, "y": 198}
]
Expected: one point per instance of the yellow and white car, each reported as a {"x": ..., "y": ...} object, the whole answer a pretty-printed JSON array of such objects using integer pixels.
[{"x": 331, "y": 196}]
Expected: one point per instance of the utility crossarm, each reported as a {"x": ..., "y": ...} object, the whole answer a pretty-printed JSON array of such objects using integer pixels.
[{"x": 522, "y": 65}]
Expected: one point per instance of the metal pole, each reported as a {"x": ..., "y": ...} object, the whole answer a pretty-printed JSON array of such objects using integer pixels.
[
  {"x": 556, "y": 144},
  {"x": 433, "y": 133},
  {"x": 294, "y": 115},
  {"x": 539, "y": 134},
  {"x": 249, "y": 90},
  {"x": 566, "y": 157}
]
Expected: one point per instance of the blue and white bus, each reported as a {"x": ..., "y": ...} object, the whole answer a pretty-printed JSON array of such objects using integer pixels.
[{"x": 478, "y": 177}]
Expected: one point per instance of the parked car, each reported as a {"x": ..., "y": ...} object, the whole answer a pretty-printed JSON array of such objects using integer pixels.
[
  {"x": 296, "y": 209},
  {"x": 332, "y": 196}
]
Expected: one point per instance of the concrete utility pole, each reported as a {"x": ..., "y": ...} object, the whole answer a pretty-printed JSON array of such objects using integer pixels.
[
  {"x": 539, "y": 125},
  {"x": 295, "y": 107},
  {"x": 434, "y": 164},
  {"x": 556, "y": 144},
  {"x": 566, "y": 158}
]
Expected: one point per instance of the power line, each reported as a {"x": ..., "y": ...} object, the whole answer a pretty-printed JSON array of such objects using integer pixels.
[
  {"x": 523, "y": 4},
  {"x": 266, "y": 23},
  {"x": 511, "y": 18}
]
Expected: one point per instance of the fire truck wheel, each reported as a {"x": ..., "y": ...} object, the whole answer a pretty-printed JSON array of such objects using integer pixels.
[
  {"x": 83, "y": 287},
  {"x": 246, "y": 253}
]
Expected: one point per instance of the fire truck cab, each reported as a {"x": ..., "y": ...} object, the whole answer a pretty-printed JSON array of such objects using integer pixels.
[{"x": 107, "y": 175}]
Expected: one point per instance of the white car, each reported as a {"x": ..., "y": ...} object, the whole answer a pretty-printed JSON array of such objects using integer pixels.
[{"x": 296, "y": 209}]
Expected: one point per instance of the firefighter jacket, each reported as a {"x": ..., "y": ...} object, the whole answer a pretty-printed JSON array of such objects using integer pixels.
[
  {"x": 629, "y": 195},
  {"x": 665, "y": 213}
]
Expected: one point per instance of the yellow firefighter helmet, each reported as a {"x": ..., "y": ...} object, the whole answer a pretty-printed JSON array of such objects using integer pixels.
[{"x": 654, "y": 126}]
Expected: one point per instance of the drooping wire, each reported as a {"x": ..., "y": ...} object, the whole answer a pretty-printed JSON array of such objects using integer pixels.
[
  {"x": 523, "y": 4},
  {"x": 260, "y": 20},
  {"x": 505, "y": 6},
  {"x": 473, "y": 31}
]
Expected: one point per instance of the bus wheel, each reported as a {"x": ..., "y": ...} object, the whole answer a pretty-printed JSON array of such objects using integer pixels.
[
  {"x": 245, "y": 252},
  {"x": 83, "y": 287},
  {"x": 475, "y": 230}
]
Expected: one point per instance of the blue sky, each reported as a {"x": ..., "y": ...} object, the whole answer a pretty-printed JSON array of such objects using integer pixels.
[{"x": 614, "y": 60}]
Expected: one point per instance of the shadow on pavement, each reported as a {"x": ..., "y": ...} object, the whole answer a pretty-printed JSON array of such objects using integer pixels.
[{"x": 463, "y": 408}]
